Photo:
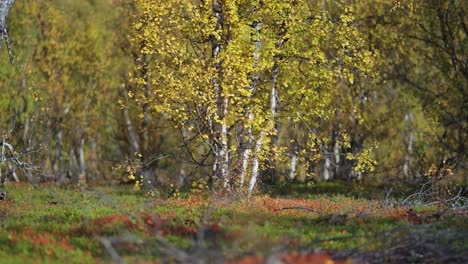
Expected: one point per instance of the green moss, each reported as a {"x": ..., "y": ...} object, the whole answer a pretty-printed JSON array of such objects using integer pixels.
[{"x": 73, "y": 220}]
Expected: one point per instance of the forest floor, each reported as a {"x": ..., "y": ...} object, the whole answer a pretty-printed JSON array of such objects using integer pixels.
[{"x": 323, "y": 223}]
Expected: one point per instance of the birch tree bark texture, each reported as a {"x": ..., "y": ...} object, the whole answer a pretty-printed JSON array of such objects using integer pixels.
[{"x": 5, "y": 6}]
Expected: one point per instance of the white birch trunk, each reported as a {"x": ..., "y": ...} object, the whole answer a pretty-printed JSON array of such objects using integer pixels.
[
  {"x": 5, "y": 6},
  {"x": 409, "y": 147},
  {"x": 132, "y": 135},
  {"x": 224, "y": 151},
  {"x": 221, "y": 163},
  {"x": 245, "y": 165},
  {"x": 259, "y": 141},
  {"x": 255, "y": 163},
  {"x": 273, "y": 95},
  {"x": 246, "y": 153},
  {"x": 336, "y": 152},
  {"x": 247, "y": 150},
  {"x": 73, "y": 166},
  {"x": 58, "y": 159},
  {"x": 326, "y": 174},
  {"x": 273, "y": 107},
  {"x": 293, "y": 167},
  {"x": 82, "y": 159}
]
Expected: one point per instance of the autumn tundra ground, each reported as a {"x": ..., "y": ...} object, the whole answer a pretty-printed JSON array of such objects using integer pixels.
[{"x": 322, "y": 223}]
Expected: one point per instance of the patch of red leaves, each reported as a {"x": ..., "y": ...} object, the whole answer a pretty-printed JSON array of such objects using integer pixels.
[
  {"x": 5, "y": 207},
  {"x": 146, "y": 222},
  {"x": 150, "y": 220},
  {"x": 179, "y": 230},
  {"x": 278, "y": 205},
  {"x": 109, "y": 222},
  {"x": 291, "y": 258},
  {"x": 6, "y": 204},
  {"x": 405, "y": 214},
  {"x": 296, "y": 258},
  {"x": 189, "y": 202},
  {"x": 41, "y": 240},
  {"x": 113, "y": 220},
  {"x": 413, "y": 217}
]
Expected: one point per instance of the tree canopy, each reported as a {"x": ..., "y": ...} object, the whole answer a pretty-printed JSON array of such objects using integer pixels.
[{"x": 236, "y": 93}]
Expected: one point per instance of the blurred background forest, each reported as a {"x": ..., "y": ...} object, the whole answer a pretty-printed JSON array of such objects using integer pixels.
[{"x": 112, "y": 90}]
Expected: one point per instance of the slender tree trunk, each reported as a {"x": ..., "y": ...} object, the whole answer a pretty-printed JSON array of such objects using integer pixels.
[
  {"x": 224, "y": 153},
  {"x": 149, "y": 178},
  {"x": 245, "y": 164},
  {"x": 57, "y": 161},
  {"x": 132, "y": 134},
  {"x": 5, "y": 6},
  {"x": 248, "y": 141},
  {"x": 274, "y": 105},
  {"x": 409, "y": 146},
  {"x": 93, "y": 158},
  {"x": 255, "y": 162},
  {"x": 82, "y": 160},
  {"x": 326, "y": 170},
  {"x": 293, "y": 167},
  {"x": 221, "y": 165},
  {"x": 273, "y": 94},
  {"x": 73, "y": 166},
  {"x": 294, "y": 152},
  {"x": 336, "y": 152},
  {"x": 329, "y": 165}
]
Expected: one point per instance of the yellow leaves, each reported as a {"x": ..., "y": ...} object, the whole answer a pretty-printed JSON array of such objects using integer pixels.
[
  {"x": 351, "y": 79},
  {"x": 206, "y": 74},
  {"x": 121, "y": 104},
  {"x": 364, "y": 161}
]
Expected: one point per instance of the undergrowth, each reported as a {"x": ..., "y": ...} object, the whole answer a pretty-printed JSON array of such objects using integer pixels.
[{"x": 57, "y": 225}]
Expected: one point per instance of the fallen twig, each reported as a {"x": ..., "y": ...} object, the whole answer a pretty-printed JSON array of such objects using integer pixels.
[
  {"x": 107, "y": 243},
  {"x": 299, "y": 208}
]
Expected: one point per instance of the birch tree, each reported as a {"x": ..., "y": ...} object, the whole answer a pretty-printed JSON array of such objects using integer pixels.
[
  {"x": 222, "y": 65},
  {"x": 203, "y": 53}
]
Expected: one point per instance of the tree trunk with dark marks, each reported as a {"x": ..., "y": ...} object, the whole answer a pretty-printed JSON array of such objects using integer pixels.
[{"x": 5, "y": 6}]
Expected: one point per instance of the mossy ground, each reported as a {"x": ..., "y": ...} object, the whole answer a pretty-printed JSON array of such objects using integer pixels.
[{"x": 67, "y": 225}]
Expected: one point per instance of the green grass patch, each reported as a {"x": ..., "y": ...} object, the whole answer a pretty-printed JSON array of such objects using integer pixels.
[{"x": 53, "y": 224}]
